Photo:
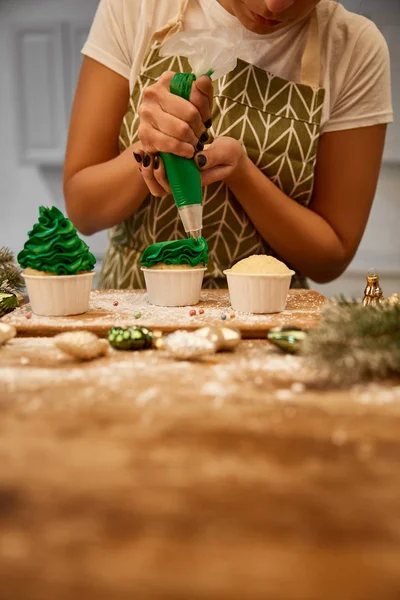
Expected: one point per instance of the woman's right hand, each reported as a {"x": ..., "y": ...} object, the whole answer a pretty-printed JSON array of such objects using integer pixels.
[{"x": 169, "y": 123}]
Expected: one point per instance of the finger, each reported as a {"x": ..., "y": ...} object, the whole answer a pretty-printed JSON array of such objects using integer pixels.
[
  {"x": 159, "y": 95},
  {"x": 201, "y": 96},
  {"x": 166, "y": 78},
  {"x": 148, "y": 176},
  {"x": 154, "y": 141},
  {"x": 215, "y": 174},
  {"x": 138, "y": 156},
  {"x": 160, "y": 175},
  {"x": 185, "y": 111},
  {"x": 210, "y": 158},
  {"x": 222, "y": 151},
  {"x": 175, "y": 127}
]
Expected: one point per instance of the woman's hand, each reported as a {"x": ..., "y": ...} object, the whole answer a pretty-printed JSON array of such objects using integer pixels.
[
  {"x": 221, "y": 161},
  {"x": 172, "y": 124},
  {"x": 152, "y": 169}
]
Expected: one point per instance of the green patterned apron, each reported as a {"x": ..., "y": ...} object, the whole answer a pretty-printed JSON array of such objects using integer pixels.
[{"x": 277, "y": 121}]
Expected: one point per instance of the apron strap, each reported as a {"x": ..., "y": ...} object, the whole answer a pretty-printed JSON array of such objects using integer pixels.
[
  {"x": 311, "y": 62},
  {"x": 173, "y": 26}
]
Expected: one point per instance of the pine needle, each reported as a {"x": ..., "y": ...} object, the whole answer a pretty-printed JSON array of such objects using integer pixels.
[
  {"x": 6, "y": 255},
  {"x": 10, "y": 273},
  {"x": 355, "y": 343}
]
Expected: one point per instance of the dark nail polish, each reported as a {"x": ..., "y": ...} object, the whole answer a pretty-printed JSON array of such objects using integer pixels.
[
  {"x": 146, "y": 160},
  {"x": 200, "y": 146},
  {"x": 204, "y": 137},
  {"x": 201, "y": 160},
  {"x": 208, "y": 124},
  {"x": 138, "y": 158},
  {"x": 156, "y": 162}
]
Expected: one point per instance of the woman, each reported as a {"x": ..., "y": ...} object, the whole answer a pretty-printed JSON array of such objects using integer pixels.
[{"x": 295, "y": 133}]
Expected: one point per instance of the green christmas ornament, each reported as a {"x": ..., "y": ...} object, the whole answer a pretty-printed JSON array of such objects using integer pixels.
[
  {"x": 288, "y": 339},
  {"x": 8, "y": 302},
  {"x": 130, "y": 338}
]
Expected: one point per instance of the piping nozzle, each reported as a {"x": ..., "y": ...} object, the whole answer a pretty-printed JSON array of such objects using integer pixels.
[{"x": 192, "y": 219}]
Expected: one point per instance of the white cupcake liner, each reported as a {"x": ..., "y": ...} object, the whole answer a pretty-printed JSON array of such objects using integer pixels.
[
  {"x": 260, "y": 294},
  {"x": 59, "y": 295},
  {"x": 169, "y": 287}
]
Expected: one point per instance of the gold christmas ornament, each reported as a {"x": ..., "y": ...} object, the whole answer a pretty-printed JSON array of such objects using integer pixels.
[
  {"x": 7, "y": 333},
  {"x": 373, "y": 293},
  {"x": 225, "y": 338},
  {"x": 82, "y": 345}
]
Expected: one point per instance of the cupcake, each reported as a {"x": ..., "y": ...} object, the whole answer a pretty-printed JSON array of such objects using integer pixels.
[
  {"x": 259, "y": 284},
  {"x": 58, "y": 266},
  {"x": 174, "y": 271}
]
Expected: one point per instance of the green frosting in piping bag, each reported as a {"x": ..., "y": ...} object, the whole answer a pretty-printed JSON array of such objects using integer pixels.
[
  {"x": 55, "y": 247},
  {"x": 192, "y": 252},
  {"x": 182, "y": 173}
]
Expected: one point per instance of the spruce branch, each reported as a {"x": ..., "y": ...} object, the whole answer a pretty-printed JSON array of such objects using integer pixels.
[
  {"x": 10, "y": 273},
  {"x": 355, "y": 343},
  {"x": 6, "y": 256}
]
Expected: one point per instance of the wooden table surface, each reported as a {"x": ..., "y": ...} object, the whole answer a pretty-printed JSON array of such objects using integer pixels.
[
  {"x": 138, "y": 477},
  {"x": 108, "y": 308}
]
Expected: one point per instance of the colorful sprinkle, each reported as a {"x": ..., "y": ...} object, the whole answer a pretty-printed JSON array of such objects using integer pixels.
[
  {"x": 137, "y": 315},
  {"x": 192, "y": 312},
  {"x": 115, "y": 303},
  {"x": 223, "y": 317},
  {"x": 201, "y": 311},
  {"x": 28, "y": 316},
  {"x": 232, "y": 315}
]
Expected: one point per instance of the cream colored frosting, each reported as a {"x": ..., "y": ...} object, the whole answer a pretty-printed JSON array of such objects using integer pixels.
[
  {"x": 260, "y": 264},
  {"x": 35, "y": 273}
]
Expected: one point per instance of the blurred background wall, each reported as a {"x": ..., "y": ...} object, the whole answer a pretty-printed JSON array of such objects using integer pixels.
[{"x": 40, "y": 43}]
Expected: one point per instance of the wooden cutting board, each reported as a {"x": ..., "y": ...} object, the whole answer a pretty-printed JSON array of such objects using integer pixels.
[{"x": 303, "y": 308}]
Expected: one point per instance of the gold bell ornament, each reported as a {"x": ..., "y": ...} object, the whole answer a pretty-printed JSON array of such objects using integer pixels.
[{"x": 373, "y": 293}]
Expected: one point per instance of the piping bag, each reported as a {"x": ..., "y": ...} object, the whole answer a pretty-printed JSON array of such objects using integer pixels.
[{"x": 210, "y": 52}]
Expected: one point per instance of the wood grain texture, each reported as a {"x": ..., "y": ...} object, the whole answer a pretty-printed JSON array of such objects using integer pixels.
[
  {"x": 303, "y": 309},
  {"x": 139, "y": 477}
]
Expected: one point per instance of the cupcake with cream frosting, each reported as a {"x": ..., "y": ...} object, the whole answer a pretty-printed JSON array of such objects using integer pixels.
[
  {"x": 58, "y": 266},
  {"x": 259, "y": 284},
  {"x": 174, "y": 271}
]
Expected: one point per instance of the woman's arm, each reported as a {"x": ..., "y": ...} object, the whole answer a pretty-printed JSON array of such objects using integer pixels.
[
  {"x": 321, "y": 240},
  {"x": 101, "y": 187}
]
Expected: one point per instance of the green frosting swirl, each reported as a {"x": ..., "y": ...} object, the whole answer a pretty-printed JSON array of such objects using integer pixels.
[
  {"x": 55, "y": 247},
  {"x": 176, "y": 252}
]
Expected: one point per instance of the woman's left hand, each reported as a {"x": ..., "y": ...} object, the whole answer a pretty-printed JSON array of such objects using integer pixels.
[{"x": 220, "y": 160}]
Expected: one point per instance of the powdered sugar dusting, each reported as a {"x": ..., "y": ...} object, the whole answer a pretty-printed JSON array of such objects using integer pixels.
[
  {"x": 34, "y": 373},
  {"x": 118, "y": 308}
]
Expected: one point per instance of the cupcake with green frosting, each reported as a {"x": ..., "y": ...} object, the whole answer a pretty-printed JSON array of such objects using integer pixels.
[
  {"x": 58, "y": 266},
  {"x": 174, "y": 271}
]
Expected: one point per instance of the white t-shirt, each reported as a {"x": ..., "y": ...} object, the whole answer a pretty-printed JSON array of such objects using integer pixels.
[{"x": 355, "y": 64}]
